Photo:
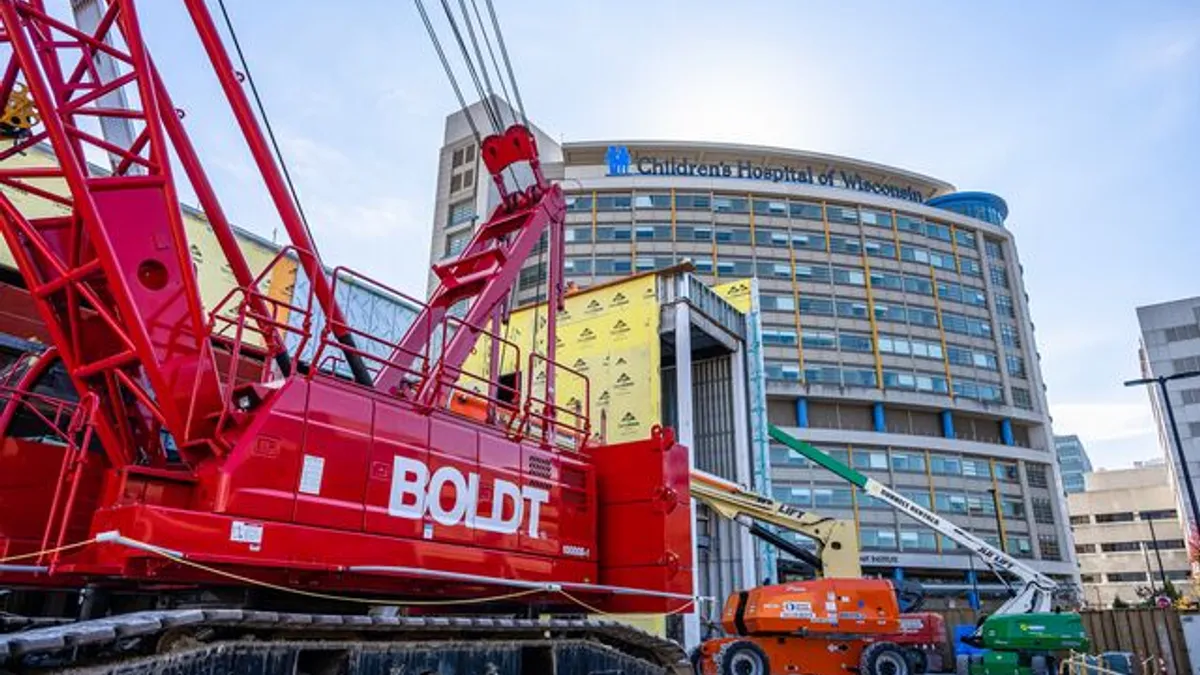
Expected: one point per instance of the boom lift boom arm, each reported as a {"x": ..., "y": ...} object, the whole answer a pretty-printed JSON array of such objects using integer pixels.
[
  {"x": 837, "y": 540},
  {"x": 1036, "y": 592}
]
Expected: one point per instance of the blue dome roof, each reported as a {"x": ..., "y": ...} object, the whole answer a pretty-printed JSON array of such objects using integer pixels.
[{"x": 982, "y": 205}]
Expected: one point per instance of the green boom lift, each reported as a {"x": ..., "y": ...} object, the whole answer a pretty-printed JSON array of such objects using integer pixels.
[{"x": 1024, "y": 634}]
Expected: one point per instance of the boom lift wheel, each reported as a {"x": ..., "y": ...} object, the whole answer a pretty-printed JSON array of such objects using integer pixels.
[
  {"x": 743, "y": 657},
  {"x": 883, "y": 658},
  {"x": 918, "y": 662}
]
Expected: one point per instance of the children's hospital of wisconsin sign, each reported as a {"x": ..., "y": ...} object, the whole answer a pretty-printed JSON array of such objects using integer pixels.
[{"x": 622, "y": 163}]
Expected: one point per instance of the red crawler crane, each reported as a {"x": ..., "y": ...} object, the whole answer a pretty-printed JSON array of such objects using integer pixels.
[{"x": 199, "y": 441}]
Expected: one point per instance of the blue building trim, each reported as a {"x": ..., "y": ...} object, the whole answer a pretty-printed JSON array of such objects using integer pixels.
[
  {"x": 983, "y": 206},
  {"x": 947, "y": 424},
  {"x": 878, "y": 415},
  {"x": 972, "y": 595},
  {"x": 802, "y": 412},
  {"x": 1006, "y": 432}
]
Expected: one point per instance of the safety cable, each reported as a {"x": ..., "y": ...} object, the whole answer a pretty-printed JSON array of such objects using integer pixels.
[
  {"x": 262, "y": 112},
  {"x": 183, "y": 560},
  {"x": 492, "y": 53},
  {"x": 470, "y": 63},
  {"x": 437, "y": 45},
  {"x": 507, "y": 63},
  {"x": 487, "y": 81}
]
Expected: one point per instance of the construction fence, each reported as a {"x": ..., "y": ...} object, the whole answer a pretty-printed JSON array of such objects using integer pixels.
[{"x": 1157, "y": 637}]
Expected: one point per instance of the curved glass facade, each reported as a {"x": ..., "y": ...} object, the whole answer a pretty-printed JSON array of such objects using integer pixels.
[
  {"x": 978, "y": 205},
  {"x": 852, "y": 295}
]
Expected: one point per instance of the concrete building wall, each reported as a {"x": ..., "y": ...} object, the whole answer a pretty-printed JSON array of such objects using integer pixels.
[
  {"x": 1128, "y": 535},
  {"x": 1170, "y": 345}
]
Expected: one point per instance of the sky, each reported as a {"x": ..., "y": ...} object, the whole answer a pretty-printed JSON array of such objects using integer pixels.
[{"x": 1084, "y": 116}]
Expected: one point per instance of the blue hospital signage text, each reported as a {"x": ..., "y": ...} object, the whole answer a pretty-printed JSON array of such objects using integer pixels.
[{"x": 621, "y": 163}]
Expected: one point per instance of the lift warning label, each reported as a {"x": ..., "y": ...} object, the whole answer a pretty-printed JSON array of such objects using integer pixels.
[
  {"x": 249, "y": 533},
  {"x": 797, "y": 610},
  {"x": 311, "y": 474}
]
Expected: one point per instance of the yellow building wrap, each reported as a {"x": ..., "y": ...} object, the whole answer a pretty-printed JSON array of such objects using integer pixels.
[
  {"x": 214, "y": 277},
  {"x": 736, "y": 293},
  {"x": 609, "y": 334}
]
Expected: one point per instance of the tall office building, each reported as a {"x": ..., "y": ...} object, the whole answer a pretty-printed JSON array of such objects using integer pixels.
[
  {"x": 1073, "y": 462},
  {"x": 895, "y": 325},
  {"x": 1170, "y": 347}
]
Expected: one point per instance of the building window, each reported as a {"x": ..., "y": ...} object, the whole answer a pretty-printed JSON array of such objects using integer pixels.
[
  {"x": 918, "y": 540},
  {"x": 805, "y": 210},
  {"x": 964, "y": 238},
  {"x": 1043, "y": 511},
  {"x": 614, "y": 202},
  {"x": 976, "y": 468},
  {"x": 461, "y": 212},
  {"x": 1048, "y": 543},
  {"x": 1122, "y": 517},
  {"x": 1186, "y": 364},
  {"x": 1194, "y": 429},
  {"x": 1120, "y": 546},
  {"x": 1090, "y": 578},
  {"x": 1010, "y": 336},
  {"x": 1013, "y": 508},
  {"x": 1185, "y": 332},
  {"x": 1020, "y": 546},
  {"x": 832, "y": 498},
  {"x": 783, "y": 456},
  {"x": 1190, "y": 396},
  {"x": 994, "y": 249},
  {"x": 778, "y": 303},
  {"x": 913, "y": 462},
  {"x": 943, "y": 465},
  {"x": 852, "y": 342},
  {"x": 455, "y": 243},
  {"x": 661, "y": 201},
  {"x": 1035, "y": 474},
  {"x": 1021, "y": 398},
  {"x": 1015, "y": 365},
  {"x": 864, "y": 459},
  {"x": 1080, "y": 520},
  {"x": 875, "y": 538},
  {"x": 1126, "y": 577},
  {"x": 699, "y": 202},
  {"x": 1007, "y": 472},
  {"x": 1166, "y": 544},
  {"x": 1085, "y": 548},
  {"x": 1163, "y": 514},
  {"x": 998, "y": 275}
]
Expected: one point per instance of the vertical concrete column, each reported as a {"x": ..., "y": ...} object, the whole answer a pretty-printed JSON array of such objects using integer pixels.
[
  {"x": 802, "y": 412},
  {"x": 686, "y": 433},
  {"x": 947, "y": 424},
  {"x": 742, "y": 457},
  {"x": 877, "y": 415}
]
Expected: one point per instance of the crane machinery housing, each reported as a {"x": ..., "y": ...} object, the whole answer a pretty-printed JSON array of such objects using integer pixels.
[{"x": 194, "y": 479}]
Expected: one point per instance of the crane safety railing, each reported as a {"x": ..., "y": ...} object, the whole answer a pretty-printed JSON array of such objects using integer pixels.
[
  {"x": 52, "y": 421},
  {"x": 248, "y": 339},
  {"x": 245, "y": 341},
  {"x": 564, "y": 424}
]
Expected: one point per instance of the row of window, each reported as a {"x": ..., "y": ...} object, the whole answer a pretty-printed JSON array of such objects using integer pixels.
[
  {"x": 1133, "y": 577},
  {"x": 1125, "y": 516},
  {"x": 1132, "y": 546},
  {"x": 888, "y": 344},
  {"x": 828, "y": 373},
  {"x": 909, "y": 461},
  {"x": 718, "y": 203}
]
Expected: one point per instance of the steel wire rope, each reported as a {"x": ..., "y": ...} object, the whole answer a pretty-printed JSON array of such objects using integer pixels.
[
  {"x": 507, "y": 62},
  {"x": 262, "y": 112},
  {"x": 470, "y": 63},
  {"x": 492, "y": 53},
  {"x": 437, "y": 45}
]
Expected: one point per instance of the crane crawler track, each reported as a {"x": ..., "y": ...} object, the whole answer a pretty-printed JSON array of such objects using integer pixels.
[{"x": 239, "y": 640}]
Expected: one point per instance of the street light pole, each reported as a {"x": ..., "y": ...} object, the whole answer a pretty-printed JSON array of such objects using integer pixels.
[
  {"x": 1162, "y": 573},
  {"x": 1183, "y": 465}
]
